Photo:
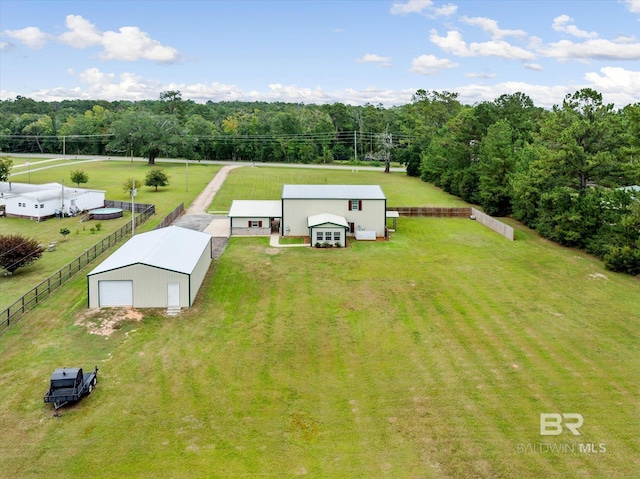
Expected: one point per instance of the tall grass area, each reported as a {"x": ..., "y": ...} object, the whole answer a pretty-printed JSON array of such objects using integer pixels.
[
  {"x": 103, "y": 175},
  {"x": 428, "y": 356}
]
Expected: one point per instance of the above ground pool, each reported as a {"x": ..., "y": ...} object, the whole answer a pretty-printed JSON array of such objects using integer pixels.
[{"x": 106, "y": 213}]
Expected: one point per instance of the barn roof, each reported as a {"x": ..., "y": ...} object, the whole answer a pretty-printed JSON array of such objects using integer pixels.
[
  {"x": 255, "y": 209},
  {"x": 172, "y": 248},
  {"x": 333, "y": 192}
]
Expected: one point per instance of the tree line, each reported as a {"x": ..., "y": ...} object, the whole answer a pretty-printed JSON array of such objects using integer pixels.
[
  {"x": 173, "y": 127},
  {"x": 568, "y": 172}
]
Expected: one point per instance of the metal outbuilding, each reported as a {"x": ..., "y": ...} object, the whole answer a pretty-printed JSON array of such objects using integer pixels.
[{"x": 163, "y": 268}]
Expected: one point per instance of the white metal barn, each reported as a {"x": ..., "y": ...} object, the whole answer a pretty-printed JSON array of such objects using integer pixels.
[
  {"x": 163, "y": 268},
  {"x": 326, "y": 213},
  {"x": 254, "y": 217},
  {"x": 37, "y": 202}
]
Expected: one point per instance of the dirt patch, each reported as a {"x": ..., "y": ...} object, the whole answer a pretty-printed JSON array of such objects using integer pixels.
[
  {"x": 272, "y": 251},
  {"x": 105, "y": 321},
  {"x": 598, "y": 276}
]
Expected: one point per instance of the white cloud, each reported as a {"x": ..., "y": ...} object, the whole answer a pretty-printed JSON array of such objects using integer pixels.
[
  {"x": 633, "y": 5},
  {"x": 445, "y": 10},
  {"x": 592, "y": 49},
  {"x": 491, "y": 27},
  {"x": 534, "y": 66},
  {"x": 128, "y": 44},
  {"x": 131, "y": 44},
  {"x": 81, "y": 33},
  {"x": 422, "y": 7},
  {"x": 373, "y": 58},
  {"x": 480, "y": 75},
  {"x": 618, "y": 86},
  {"x": 95, "y": 77},
  {"x": 128, "y": 86},
  {"x": 542, "y": 95},
  {"x": 563, "y": 24},
  {"x": 430, "y": 65},
  {"x": 32, "y": 37},
  {"x": 454, "y": 44},
  {"x": 410, "y": 6},
  {"x": 615, "y": 80},
  {"x": 5, "y": 45}
]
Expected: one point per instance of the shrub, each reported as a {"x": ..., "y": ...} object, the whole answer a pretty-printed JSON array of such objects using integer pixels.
[
  {"x": 623, "y": 260},
  {"x": 17, "y": 251},
  {"x": 64, "y": 232}
]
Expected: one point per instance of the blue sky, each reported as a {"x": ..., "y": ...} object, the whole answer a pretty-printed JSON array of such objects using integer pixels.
[{"x": 307, "y": 51}]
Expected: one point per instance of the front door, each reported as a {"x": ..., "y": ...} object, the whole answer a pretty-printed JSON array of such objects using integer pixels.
[{"x": 173, "y": 294}]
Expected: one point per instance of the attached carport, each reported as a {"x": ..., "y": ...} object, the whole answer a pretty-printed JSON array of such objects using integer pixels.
[{"x": 254, "y": 217}]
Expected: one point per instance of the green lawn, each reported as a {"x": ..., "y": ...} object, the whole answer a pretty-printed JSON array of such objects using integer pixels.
[
  {"x": 260, "y": 183},
  {"x": 428, "y": 356}
]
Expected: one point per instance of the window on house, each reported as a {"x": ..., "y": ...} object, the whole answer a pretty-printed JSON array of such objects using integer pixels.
[
  {"x": 36, "y": 206},
  {"x": 327, "y": 236},
  {"x": 336, "y": 236},
  {"x": 355, "y": 205},
  {"x": 255, "y": 224},
  {"x": 319, "y": 236},
  {"x": 42, "y": 205}
]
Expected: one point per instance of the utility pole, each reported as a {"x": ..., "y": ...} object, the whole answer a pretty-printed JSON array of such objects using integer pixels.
[
  {"x": 133, "y": 208},
  {"x": 355, "y": 145}
]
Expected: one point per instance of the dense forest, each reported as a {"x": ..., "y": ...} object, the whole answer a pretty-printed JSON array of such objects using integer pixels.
[{"x": 570, "y": 172}]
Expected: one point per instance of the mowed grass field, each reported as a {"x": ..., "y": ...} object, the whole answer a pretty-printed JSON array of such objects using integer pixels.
[{"x": 428, "y": 356}]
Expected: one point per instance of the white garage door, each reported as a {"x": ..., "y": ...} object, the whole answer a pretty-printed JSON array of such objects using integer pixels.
[{"x": 115, "y": 293}]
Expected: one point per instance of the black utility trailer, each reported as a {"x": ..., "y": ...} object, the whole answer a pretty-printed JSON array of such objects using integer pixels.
[{"x": 69, "y": 385}]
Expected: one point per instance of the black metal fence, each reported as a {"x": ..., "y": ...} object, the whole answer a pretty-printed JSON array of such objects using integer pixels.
[{"x": 31, "y": 299}]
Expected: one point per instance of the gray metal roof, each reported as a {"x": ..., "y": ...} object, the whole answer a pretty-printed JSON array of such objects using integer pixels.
[
  {"x": 172, "y": 248},
  {"x": 333, "y": 192},
  {"x": 44, "y": 191},
  {"x": 324, "y": 218},
  {"x": 255, "y": 208}
]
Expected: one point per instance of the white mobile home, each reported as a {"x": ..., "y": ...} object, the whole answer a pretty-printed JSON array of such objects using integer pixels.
[
  {"x": 334, "y": 210},
  {"x": 24, "y": 200},
  {"x": 163, "y": 268}
]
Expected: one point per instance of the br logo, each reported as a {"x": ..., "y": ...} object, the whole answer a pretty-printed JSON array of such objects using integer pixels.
[{"x": 552, "y": 424}]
